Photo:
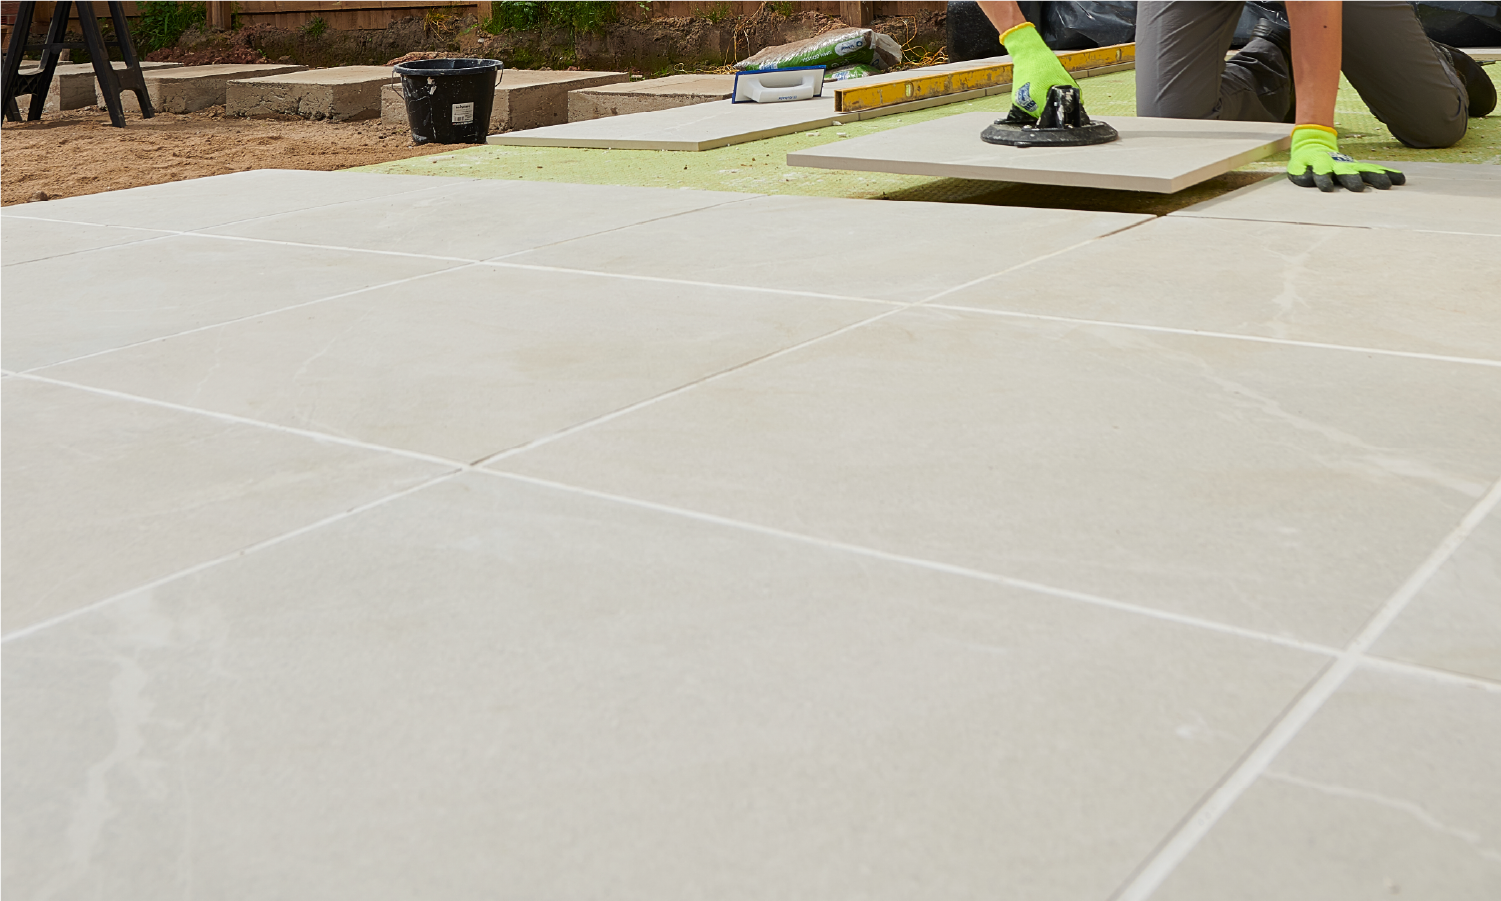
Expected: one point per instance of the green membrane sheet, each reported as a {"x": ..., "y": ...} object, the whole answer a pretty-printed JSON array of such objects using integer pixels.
[{"x": 760, "y": 167}]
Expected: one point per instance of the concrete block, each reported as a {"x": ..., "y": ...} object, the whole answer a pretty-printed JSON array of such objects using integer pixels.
[
  {"x": 525, "y": 98},
  {"x": 341, "y": 93},
  {"x": 647, "y": 96},
  {"x": 74, "y": 85},
  {"x": 192, "y": 88}
]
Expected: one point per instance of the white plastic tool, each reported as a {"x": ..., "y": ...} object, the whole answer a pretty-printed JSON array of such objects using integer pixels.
[{"x": 778, "y": 85}]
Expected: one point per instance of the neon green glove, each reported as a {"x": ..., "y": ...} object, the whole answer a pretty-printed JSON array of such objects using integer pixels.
[
  {"x": 1316, "y": 161},
  {"x": 1034, "y": 69}
]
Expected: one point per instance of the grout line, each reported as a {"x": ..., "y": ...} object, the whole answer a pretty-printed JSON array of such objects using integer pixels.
[
  {"x": 1184, "y": 213},
  {"x": 1260, "y": 339},
  {"x": 932, "y": 565},
  {"x": 339, "y": 247},
  {"x": 321, "y": 437},
  {"x": 1149, "y": 877},
  {"x": 1032, "y": 260},
  {"x": 69, "y": 253},
  {"x": 215, "y": 325},
  {"x": 791, "y": 292},
  {"x": 1387, "y": 664},
  {"x": 225, "y": 558}
]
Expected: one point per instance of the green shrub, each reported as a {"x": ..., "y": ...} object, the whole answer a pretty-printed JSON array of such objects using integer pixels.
[
  {"x": 162, "y": 22},
  {"x": 315, "y": 27},
  {"x": 584, "y": 16}
]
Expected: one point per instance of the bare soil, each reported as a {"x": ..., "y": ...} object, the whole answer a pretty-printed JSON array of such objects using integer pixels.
[{"x": 79, "y": 152}]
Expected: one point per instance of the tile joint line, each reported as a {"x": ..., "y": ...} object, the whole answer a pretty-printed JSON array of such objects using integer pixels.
[{"x": 1161, "y": 864}]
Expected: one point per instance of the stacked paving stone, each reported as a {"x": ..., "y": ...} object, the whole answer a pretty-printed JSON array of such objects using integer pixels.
[{"x": 524, "y": 98}]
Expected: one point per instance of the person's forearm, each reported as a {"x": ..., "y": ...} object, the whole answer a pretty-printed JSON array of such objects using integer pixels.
[
  {"x": 1316, "y": 31},
  {"x": 1004, "y": 15}
]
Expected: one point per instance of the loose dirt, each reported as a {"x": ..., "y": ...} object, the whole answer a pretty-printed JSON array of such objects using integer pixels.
[{"x": 79, "y": 152}]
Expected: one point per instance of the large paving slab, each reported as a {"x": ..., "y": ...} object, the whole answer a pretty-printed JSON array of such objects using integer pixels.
[
  {"x": 701, "y": 126},
  {"x": 653, "y": 94},
  {"x": 205, "y": 202},
  {"x": 471, "y": 362},
  {"x": 900, "y": 252},
  {"x": 524, "y": 98},
  {"x": 479, "y": 219},
  {"x": 1443, "y": 197},
  {"x": 489, "y": 684},
  {"x": 68, "y": 306},
  {"x": 341, "y": 93},
  {"x": 1285, "y": 489},
  {"x": 1277, "y": 280},
  {"x": 34, "y": 239},
  {"x": 1159, "y": 155},
  {"x": 1390, "y": 792},
  {"x": 193, "y": 88},
  {"x": 103, "y": 494}
]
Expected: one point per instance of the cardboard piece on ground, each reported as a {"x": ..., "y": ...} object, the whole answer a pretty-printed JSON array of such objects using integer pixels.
[
  {"x": 702, "y": 126},
  {"x": 340, "y": 93},
  {"x": 647, "y": 96},
  {"x": 524, "y": 98},
  {"x": 1157, "y": 155},
  {"x": 1439, "y": 197}
]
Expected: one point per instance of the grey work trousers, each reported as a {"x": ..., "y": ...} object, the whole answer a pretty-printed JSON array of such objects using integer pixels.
[{"x": 1182, "y": 73}]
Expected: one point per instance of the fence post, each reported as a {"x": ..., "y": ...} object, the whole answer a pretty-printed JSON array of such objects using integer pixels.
[{"x": 858, "y": 14}]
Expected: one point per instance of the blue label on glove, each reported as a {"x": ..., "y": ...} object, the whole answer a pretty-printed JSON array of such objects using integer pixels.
[
  {"x": 1023, "y": 98},
  {"x": 1340, "y": 158}
]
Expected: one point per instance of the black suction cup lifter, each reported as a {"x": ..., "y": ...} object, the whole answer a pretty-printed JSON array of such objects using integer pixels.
[{"x": 1063, "y": 123}]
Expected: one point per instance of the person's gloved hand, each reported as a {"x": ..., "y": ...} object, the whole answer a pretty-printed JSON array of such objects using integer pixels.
[
  {"x": 1316, "y": 161},
  {"x": 1034, "y": 69}
]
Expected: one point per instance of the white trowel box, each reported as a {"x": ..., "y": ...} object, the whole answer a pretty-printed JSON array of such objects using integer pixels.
[{"x": 778, "y": 85}]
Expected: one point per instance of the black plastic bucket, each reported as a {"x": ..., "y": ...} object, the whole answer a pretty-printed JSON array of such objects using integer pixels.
[{"x": 449, "y": 100}]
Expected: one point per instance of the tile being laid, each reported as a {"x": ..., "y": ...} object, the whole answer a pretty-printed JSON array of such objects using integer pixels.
[
  {"x": 1454, "y": 622},
  {"x": 1442, "y": 197},
  {"x": 477, "y": 219},
  {"x": 1158, "y": 155},
  {"x": 700, "y": 126},
  {"x": 1389, "y": 792},
  {"x": 1276, "y": 487},
  {"x": 487, "y": 683},
  {"x": 1276, "y": 280},
  {"x": 883, "y": 251}
]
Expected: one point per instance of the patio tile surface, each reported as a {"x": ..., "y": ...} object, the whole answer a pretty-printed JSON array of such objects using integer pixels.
[
  {"x": 41, "y": 239},
  {"x": 817, "y": 555}
]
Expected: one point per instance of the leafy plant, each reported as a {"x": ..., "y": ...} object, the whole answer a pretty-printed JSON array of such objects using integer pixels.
[
  {"x": 578, "y": 17},
  {"x": 786, "y": 10},
  {"x": 718, "y": 13},
  {"x": 162, "y": 22},
  {"x": 315, "y": 27}
]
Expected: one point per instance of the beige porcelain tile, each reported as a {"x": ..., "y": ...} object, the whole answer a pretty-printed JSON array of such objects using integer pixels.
[
  {"x": 699, "y": 126},
  {"x": 1273, "y": 487},
  {"x": 1445, "y": 197},
  {"x": 62, "y": 308},
  {"x": 1277, "y": 280},
  {"x": 220, "y": 199},
  {"x": 480, "y": 219},
  {"x": 103, "y": 495},
  {"x": 487, "y": 689},
  {"x": 1160, "y": 155},
  {"x": 1454, "y": 622},
  {"x": 476, "y": 361},
  {"x": 27, "y": 240},
  {"x": 862, "y": 248},
  {"x": 1390, "y": 792}
]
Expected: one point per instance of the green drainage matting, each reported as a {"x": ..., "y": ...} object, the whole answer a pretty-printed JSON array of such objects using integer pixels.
[{"x": 760, "y": 167}]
